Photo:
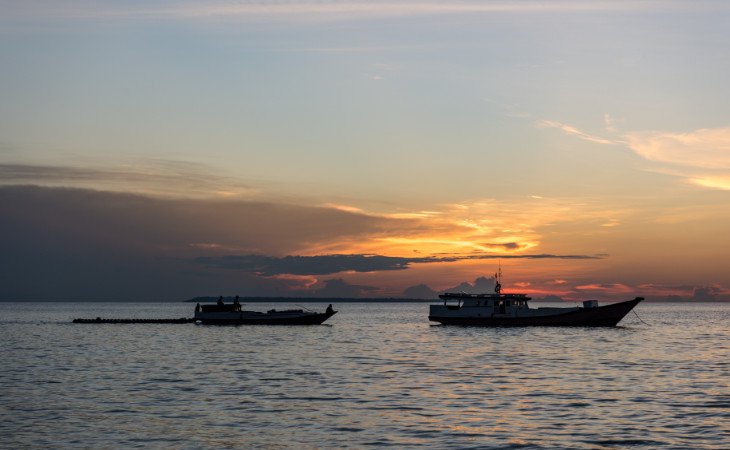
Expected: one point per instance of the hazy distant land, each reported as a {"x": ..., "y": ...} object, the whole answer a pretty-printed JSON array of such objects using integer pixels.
[
  {"x": 547, "y": 299},
  {"x": 308, "y": 300}
]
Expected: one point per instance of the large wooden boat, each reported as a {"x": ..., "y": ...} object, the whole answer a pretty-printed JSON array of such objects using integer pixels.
[{"x": 511, "y": 310}]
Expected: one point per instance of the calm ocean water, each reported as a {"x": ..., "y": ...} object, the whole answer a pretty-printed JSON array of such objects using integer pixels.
[{"x": 374, "y": 375}]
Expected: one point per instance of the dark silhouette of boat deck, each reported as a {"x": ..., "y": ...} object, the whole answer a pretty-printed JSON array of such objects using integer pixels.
[
  {"x": 231, "y": 314},
  {"x": 100, "y": 320}
]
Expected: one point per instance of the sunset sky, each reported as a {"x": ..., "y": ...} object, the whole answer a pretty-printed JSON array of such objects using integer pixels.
[{"x": 162, "y": 150}]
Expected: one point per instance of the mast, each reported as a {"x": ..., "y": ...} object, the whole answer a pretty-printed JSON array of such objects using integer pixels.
[{"x": 498, "y": 277}]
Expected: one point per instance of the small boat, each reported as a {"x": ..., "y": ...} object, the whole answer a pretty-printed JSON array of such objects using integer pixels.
[
  {"x": 232, "y": 314},
  {"x": 511, "y": 310}
]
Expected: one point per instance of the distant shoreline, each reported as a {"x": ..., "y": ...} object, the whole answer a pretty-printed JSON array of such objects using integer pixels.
[
  {"x": 323, "y": 300},
  {"x": 308, "y": 300}
]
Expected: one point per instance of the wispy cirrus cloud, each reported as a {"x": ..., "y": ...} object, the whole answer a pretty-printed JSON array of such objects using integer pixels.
[
  {"x": 712, "y": 181},
  {"x": 150, "y": 177},
  {"x": 707, "y": 148},
  {"x": 610, "y": 287},
  {"x": 701, "y": 157},
  {"x": 331, "y": 10},
  {"x": 575, "y": 132},
  {"x": 382, "y": 9}
]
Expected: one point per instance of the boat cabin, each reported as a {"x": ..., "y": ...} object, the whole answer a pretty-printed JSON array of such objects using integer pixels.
[
  {"x": 219, "y": 308},
  {"x": 489, "y": 303}
]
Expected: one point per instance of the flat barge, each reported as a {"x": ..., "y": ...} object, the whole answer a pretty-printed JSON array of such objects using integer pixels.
[
  {"x": 100, "y": 320},
  {"x": 232, "y": 314}
]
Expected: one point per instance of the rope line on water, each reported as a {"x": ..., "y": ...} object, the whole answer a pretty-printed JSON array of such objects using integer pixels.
[{"x": 637, "y": 316}]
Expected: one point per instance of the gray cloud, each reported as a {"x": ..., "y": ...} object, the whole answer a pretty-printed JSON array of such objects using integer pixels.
[
  {"x": 178, "y": 227},
  {"x": 506, "y": 246},
  {"x": 420, "y": 291},
  {"x": 340, "y": 288},
  {"x": 81, "y": 244},
  {"x": 331, "y": 264},
  {"x": 706, "y": 294},
  {"x": 305, "y": 265},
  {"x": 77, "y": 244},
  {"x": 160, "y": 177},
  {"x": 19, "y": 173},
  {"x": 480, "y": 286}
]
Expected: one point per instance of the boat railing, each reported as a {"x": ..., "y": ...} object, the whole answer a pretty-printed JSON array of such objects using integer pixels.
[{"x": 463, "y": 295}]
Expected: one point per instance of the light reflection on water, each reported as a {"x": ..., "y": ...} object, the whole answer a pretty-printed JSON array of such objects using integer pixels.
[{"x": 375, "y": 374}]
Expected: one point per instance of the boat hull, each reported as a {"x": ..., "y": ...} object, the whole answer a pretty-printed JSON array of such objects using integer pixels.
[
  {"x": 602, "y": 316},
  {"x": 264, "y": 318}
]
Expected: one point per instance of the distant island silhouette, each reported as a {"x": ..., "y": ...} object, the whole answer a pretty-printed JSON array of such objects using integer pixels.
[
  {"x": 546, "y": 299},
  {"x": 229, "y": 299}
]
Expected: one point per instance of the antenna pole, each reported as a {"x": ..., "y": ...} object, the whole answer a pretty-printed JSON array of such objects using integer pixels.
[{"x": 498, "y": 276}]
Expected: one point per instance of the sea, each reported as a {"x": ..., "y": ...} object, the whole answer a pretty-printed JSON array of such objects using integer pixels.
[{"x": 374, "y": 375}]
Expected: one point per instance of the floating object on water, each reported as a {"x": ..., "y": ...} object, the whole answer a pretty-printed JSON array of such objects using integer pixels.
[
  {"x": 100, "y": 320},
  {"x": 231, "y": 314}
]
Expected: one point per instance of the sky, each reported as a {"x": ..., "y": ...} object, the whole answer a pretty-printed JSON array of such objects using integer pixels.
[{"x": 163, "y": 150}]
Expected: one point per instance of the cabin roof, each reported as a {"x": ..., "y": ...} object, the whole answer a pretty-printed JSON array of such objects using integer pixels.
[{"x": 500, "y": 296}]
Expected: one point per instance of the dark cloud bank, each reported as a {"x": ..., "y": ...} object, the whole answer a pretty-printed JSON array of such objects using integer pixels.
[
  {"x": 84, "y": 245},
  {"x": 330, "y": 264}
]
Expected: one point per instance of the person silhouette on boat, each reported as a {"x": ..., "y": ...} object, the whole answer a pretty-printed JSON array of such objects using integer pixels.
[
  {"x": 236, "y": 305},
  {"x": 329, "y": 309},
  {"x": 220, "y": 301},
  {"x": 197, "y": 308}
]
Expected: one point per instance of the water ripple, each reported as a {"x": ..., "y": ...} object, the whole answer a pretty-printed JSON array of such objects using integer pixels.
[{"x": 379, "y": 375}]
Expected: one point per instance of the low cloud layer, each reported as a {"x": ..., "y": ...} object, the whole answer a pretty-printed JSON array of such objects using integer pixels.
[
  {"x": 83, "y": 244},
  {"x": 332, "y": 264},
  {"x": 79, "y": 244},
  {"x": 304, "y": 265}
]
